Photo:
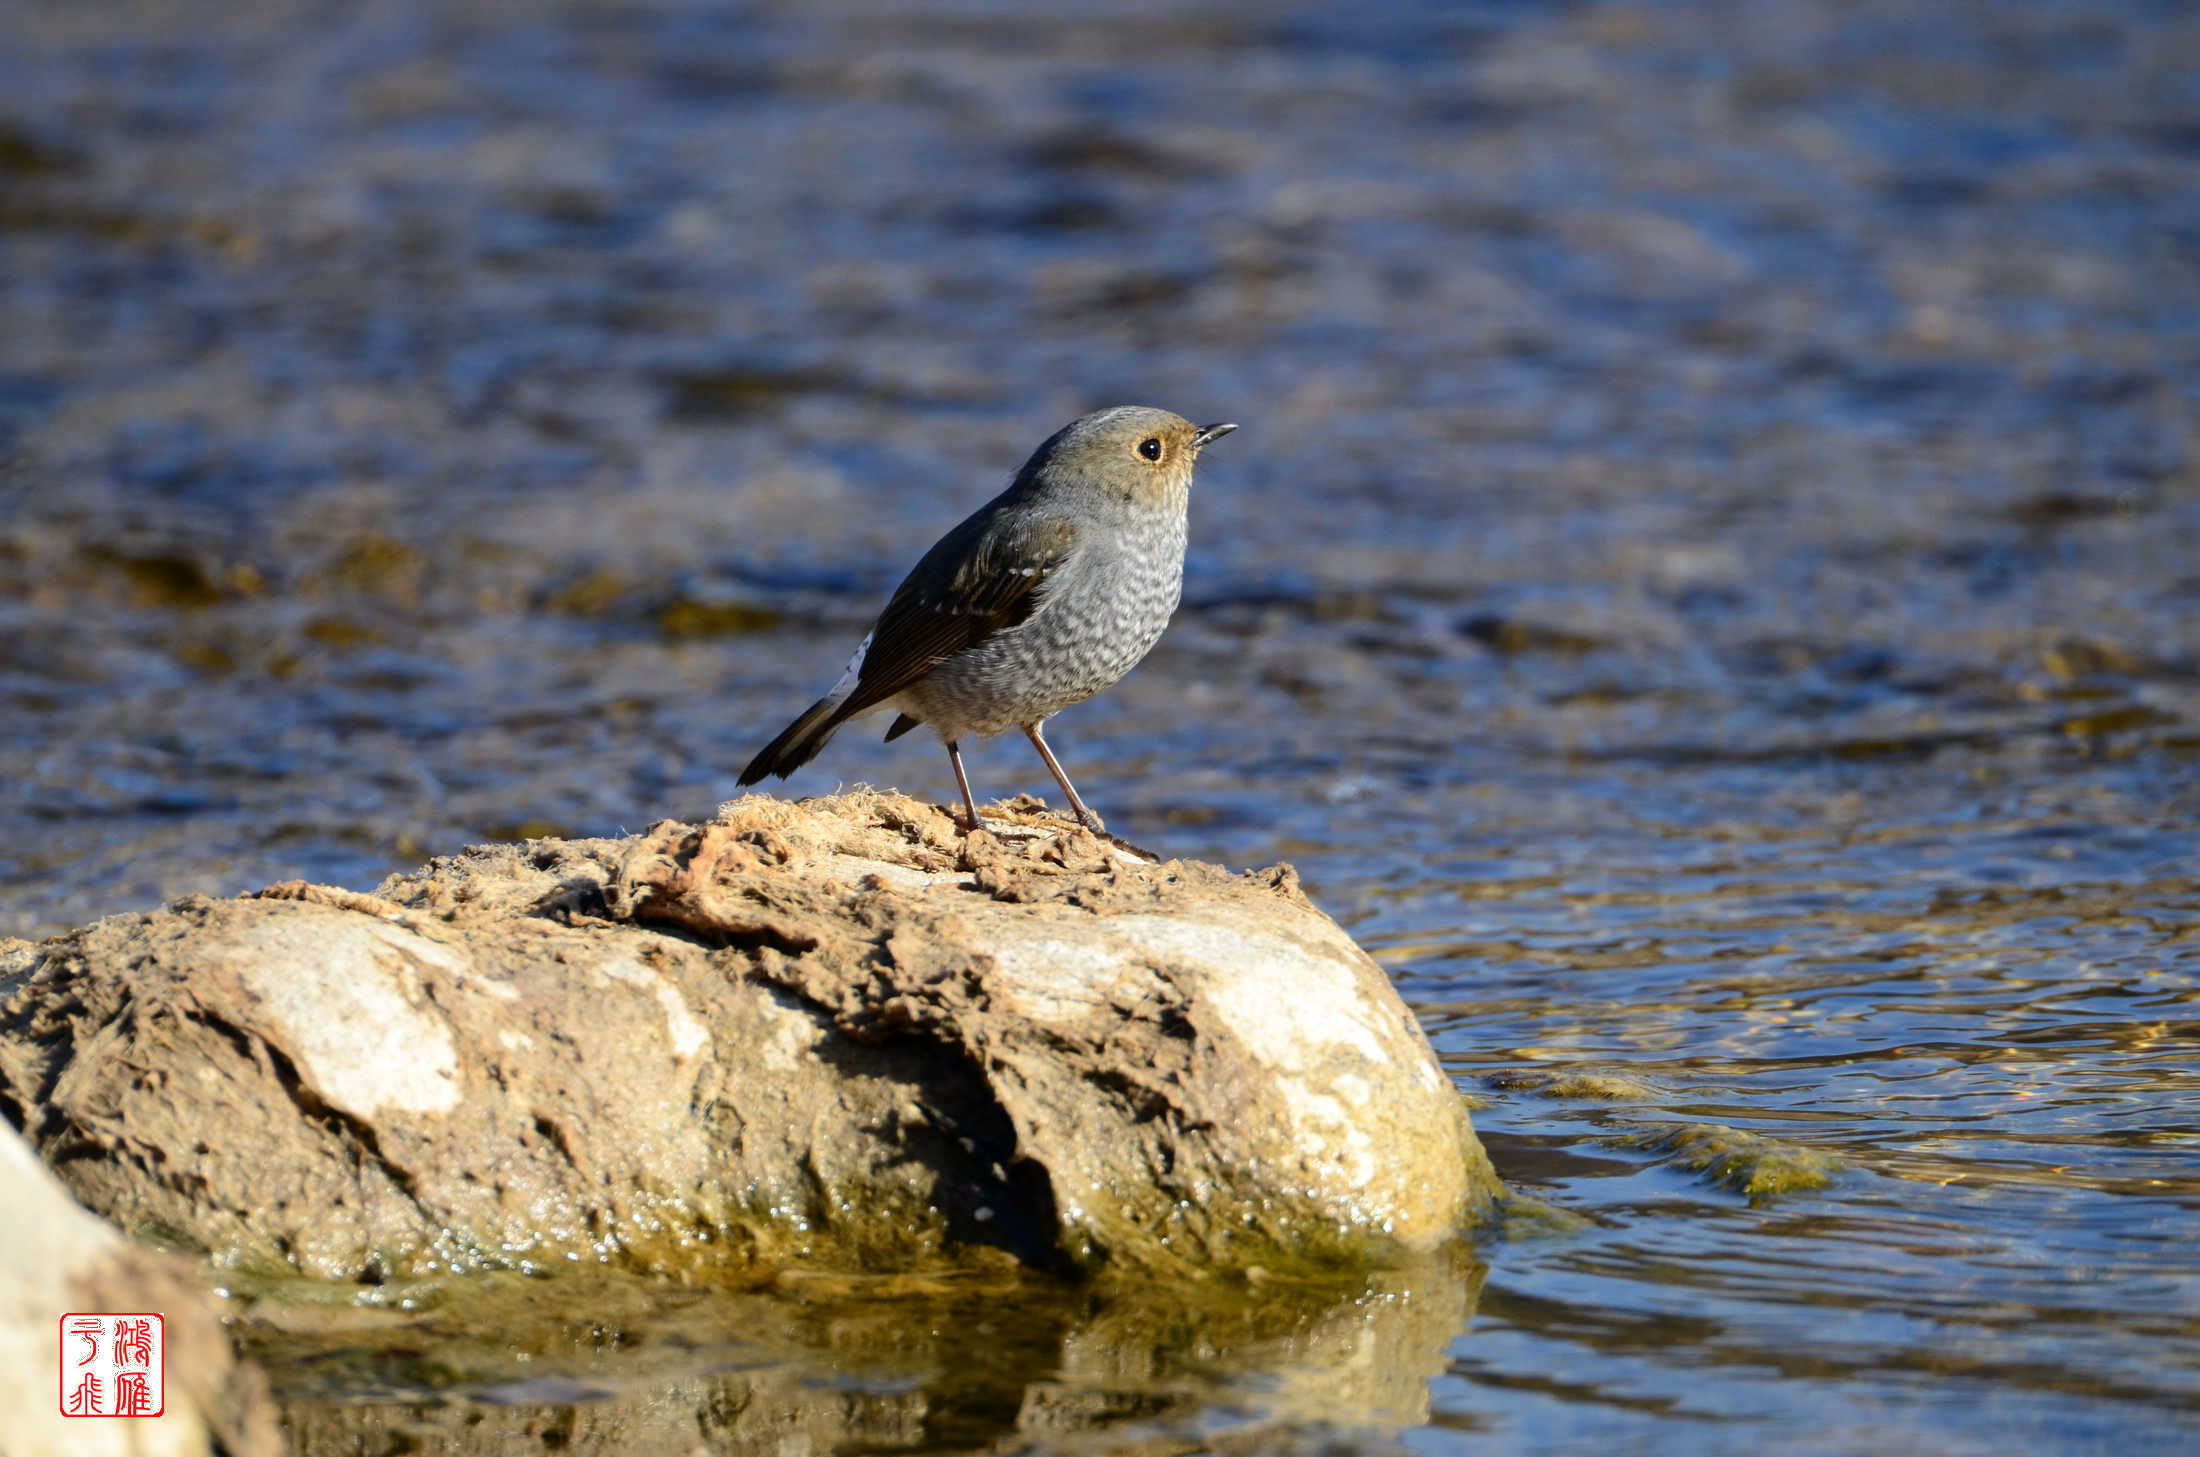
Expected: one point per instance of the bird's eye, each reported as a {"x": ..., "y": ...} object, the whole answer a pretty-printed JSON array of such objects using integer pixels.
[{"x": 1150, "y": 447}]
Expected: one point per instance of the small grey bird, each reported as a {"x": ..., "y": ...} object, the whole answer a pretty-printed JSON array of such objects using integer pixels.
[{"x": 1047, "y": 594}]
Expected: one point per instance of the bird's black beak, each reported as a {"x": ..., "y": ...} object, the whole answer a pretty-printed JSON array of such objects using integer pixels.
[{"x": 1208, "y": 434}]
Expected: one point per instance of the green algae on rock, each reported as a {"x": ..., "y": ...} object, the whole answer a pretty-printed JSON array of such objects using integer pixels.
[
  {"x": 829, "y": 1035},
  {"x": 1738, "y": 1161},
  {"x": 1590, "y": 1086}
]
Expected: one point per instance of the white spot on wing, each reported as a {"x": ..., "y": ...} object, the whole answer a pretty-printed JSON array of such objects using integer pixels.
[{"x": 853, "y": 671}]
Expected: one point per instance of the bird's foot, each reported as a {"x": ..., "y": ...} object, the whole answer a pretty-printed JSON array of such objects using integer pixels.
[{"x": 1092, "y": 822}]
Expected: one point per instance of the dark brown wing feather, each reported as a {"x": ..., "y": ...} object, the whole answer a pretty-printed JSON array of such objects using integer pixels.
[
  {"x": 982, "y": 578},
  {"x": 962, "y": 593}
]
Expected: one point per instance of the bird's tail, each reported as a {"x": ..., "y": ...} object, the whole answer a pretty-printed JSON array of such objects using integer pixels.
[{"x": 797, "y": 744}]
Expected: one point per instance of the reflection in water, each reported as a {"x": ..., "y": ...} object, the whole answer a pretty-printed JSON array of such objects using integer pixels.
[
  {"x": 1706, "y": 588},
  {"x": 831, "y": 1364}
]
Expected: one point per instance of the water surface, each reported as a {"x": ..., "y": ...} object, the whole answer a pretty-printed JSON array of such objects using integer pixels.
[{"x": 1708, "y": 589}]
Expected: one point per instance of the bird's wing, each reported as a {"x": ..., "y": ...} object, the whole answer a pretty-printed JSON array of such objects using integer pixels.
[{"x": 999, "y": 566}]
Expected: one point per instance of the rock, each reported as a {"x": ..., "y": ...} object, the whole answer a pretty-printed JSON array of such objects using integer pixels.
[
  {"x": 56, "y": 1260},
  {"x": 831, "y": 1034}
]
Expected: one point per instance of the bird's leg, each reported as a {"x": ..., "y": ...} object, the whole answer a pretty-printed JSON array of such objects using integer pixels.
[
  {"x": 1038, "y": 741},
  {"x": 962, "y": 780}
]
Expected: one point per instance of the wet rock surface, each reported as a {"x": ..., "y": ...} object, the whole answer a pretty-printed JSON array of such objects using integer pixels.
[{"x": 829, "y": 1034}]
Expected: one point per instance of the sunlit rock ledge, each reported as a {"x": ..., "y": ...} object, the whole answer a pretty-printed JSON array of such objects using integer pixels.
[{"x": 832, "y": 1033}]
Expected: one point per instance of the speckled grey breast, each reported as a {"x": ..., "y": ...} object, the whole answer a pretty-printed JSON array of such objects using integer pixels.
[{"x": 1099, "y": 613}]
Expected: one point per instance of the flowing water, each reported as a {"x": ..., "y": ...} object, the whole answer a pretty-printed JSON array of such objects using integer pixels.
[{"x": 1708, "y": 590}]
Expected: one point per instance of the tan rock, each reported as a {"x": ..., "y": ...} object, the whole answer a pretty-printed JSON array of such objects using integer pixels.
[
  {"x": 56, "y": 1260},
  {"x": 828, "y": 1034}
]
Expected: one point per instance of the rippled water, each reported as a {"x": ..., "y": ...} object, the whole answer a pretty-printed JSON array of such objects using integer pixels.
[{"x": 1708, "y": 588}]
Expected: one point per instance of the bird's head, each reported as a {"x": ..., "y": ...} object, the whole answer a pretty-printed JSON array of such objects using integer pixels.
[{"x": 1135, "y": 453}]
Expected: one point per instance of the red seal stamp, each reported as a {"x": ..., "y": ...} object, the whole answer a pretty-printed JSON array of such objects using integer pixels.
[{"x": 113, "y": 1365}]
